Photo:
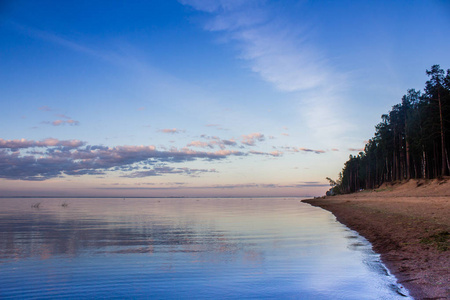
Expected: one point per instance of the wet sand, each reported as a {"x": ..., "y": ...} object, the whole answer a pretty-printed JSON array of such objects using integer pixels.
[{"x": 408, "y": 224}]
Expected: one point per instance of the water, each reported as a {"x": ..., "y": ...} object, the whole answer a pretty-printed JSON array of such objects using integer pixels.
[{"x": 180, "y": 248}]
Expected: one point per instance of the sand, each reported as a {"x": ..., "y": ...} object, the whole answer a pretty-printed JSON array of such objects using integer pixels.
[{"x": 408, "y": 224}]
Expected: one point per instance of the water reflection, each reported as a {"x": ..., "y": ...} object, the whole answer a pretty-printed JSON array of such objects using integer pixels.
[{"x": 183, "y": 248}]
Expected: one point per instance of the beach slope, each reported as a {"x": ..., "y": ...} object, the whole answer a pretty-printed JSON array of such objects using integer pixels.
[{"x": 408, "y": 224}]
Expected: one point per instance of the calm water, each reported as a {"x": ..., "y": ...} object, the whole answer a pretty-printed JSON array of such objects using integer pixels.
[{"x": 184, "y": 248}]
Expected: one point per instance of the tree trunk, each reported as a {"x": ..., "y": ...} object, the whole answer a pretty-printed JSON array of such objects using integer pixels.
[
  {"x": 415, "y": 168},
  {"x": 444, "y": 165},
  {"x": 424, "y": 164},
  {"x": 408, "y": 175},
  {"x": 448, "y": 162},
  {"x": 435, "y": 160}
]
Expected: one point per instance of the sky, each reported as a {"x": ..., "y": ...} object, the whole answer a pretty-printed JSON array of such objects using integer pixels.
[{"x": 202, "y": 98}]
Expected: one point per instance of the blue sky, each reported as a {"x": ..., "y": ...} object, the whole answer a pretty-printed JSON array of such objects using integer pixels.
[{"x": 202, "y": 98}]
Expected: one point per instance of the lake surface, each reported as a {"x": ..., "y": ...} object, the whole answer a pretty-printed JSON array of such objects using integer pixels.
[{"x": 179, "y": 248}]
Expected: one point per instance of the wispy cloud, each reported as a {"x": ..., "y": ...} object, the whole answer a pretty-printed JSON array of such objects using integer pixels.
[
  {"x": 50, "y": 142},
  {"x": 64, "y": 122},
  {"x": 199, "y": 144},
  {"x": 302, "y": 149},
  {"x": 158, "y": 171},
  {"x": 214, "y": 142},
  {"x": 273, "y": 153},
  {"x": 63, "y": 116},
  {"x": 64, "y": 42},
  {"x": 277, "y": 50},
  {"x": 252, "y": 138},
  {"x": 45, "y": 108},
  {"x": 280, "y": 50},
  {"x": 217, "y": 126},
  {"x": 171, "y": 130},
  {"x": 64, "y": 119},
  {"x": 226, "y": 186}
]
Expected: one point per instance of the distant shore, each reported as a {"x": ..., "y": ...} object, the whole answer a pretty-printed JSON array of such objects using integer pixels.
[{"x": 408, "y": 224}]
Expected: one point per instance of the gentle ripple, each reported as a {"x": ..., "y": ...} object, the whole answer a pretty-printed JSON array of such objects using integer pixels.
[{"x": 179, "y": 248}]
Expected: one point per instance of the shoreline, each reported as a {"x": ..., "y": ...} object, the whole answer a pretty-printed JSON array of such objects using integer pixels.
[{"x": 408, "y": 224}]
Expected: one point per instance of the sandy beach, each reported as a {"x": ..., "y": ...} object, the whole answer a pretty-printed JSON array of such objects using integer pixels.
[{"x": 408, "y": 224}]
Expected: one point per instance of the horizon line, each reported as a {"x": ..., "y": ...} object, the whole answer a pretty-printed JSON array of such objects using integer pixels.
[{"x": 152, "y": 197}]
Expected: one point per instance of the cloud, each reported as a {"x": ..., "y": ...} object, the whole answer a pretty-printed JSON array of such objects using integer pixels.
[
  {"x": 227, "y": 186},
  {"x": 273, "y": 153},
  {"x": 355, "y": 149},
  {"x": 275, "y": 47},
  {"x": 198, "y": 144},
  {"x": 217, "y": 126},
  {"x": 275, "y": 44},
  {"x": 50, "y": 142},
  {"x": 61, "y": 41},
  {"x": 158, "y": 171},
  {"x": 64, "y": 122},
  {"x": 311, "y": 150},
  {"x": 63, "y": 116},
  {"x": 68, "y": 120},
  {"x": 301, "y": 149},
  {"x": 214, "y": 142},
  {"x": 252, "y": 138},
  {"x": 171, "y": 130},
  {"x": 269, "y": 185},
  {"x": 276, "y": 153},
  {"x": 45, "y": 108},
  {"x": 230, "y": 142},
  {"x": 70, "y": 158},
  {"x": 222, "y": 144},
  {"x": 204, "y": 136}
]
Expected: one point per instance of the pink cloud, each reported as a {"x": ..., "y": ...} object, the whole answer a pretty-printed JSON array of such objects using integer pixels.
[
  {"x": 45, "y": 108},
  {"x": 301, "y": 149},
  {"x": 63, "y": 116},
  {"x": 252, "y": 138},
  {"x": 162, "y": 170},
  {"x": 199, "y": 144},
  {"x": 72, "y": 122},
  {"x": 63, "y": 122},
  {"x": 355, "y": 149},
  {"x": 171, "y": 130},
  {"x": 57, "y": 122},
  {"x": 276, "y": 153},
  {"x": 50, "y": 142},
  {"x": 273, "y": 153},
  {"x": 214, "y": 142},
  {"x": 92, "y": 160},
  {"x": 311, "y": 150}
]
